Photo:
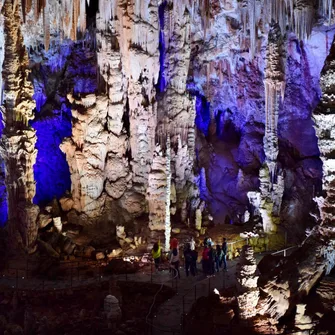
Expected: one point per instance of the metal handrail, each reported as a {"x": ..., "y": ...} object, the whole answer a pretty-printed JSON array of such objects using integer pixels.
[
  {"x": 170, "y": 330},
  {"x": 72, "y": 272}
]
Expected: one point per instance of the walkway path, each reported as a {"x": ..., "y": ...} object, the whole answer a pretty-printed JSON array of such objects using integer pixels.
[{"x": 168, "y": 317}]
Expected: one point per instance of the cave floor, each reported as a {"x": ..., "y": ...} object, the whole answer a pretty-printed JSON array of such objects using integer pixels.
[{"x": 168, "y": 319}]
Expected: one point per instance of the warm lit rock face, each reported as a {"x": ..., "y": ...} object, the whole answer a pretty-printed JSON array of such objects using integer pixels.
[
  {"x": 18, "y": 138},
  {"x": 247, "y": 291},
  {"x": 324, "y": 125}
]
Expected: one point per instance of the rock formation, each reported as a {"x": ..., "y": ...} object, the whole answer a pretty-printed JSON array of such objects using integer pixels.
[
  {"x": 18, "y": 139},
  {"x": 247, "y": 291},
  {"x": 324, "y": 122},
  {"x": 272, "y": 184},
  {"x": 145, "y": 71}
]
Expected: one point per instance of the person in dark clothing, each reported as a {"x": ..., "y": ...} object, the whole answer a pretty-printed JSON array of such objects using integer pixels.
[
  {"x": 205, "y": 260},
  {"x": 218, "y": 258},
  {"x": 188, "y": 259},
  {"x": 211, "y": 255},
  {"x": 224, "y": 254},
  {"x": 205, "y": 241},
  {"x": 194, "y": 270}
]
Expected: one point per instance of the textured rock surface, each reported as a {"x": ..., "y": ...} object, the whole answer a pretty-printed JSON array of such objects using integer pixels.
[
  {"x": 154, "y": 69},
  {"x": 247, "y": 291},
  {"x": 18, "y": 139}
]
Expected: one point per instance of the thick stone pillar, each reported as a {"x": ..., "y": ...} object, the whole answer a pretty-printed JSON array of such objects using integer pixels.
[
  {"x": 18, "y": 139},
  {"x": 272, "y": 184}
]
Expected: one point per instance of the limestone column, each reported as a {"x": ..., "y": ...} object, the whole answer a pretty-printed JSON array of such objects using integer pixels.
[
  {"x": 272, "y": 184},
  {"x": 175, "y": 107},
  {"x": 18, "y": 139}
]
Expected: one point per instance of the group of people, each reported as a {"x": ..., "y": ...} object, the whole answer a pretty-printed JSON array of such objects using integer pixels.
[{"x": 212, "y": 259}]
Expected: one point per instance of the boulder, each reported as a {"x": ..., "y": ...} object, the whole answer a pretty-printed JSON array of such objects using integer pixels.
[
  {"x": 73, "y": 229},
  {"x": 43, "y": 220},
  {"x": 112, "y": 308},
  {"x": 115, "y": 253},
  {"x": 66, "y": 203},
  {"x": 99, "y": 256},
  {"x": 48, "y": 249},
  {"x": 88, "y": 251},
  {"x": 68, "y": 246}
]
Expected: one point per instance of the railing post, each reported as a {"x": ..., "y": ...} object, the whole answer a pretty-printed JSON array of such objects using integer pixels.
[
  {"x": 126, "y": 271},
  {"x": 151, "y": 272},
  {"x": 284, "y": 252},
  {"x": 17, "y": 280},
  {"x": 183, "y": 304}
]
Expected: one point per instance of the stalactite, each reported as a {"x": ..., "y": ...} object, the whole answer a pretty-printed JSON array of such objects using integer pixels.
[
  {"x": 276, "y": 10},
  {"x": 326, "y": 8},
  {"x": 168, "y": 194},
  {"x": 303, "y": 18},
  {"x": 107, "y": 9},
  {"x": 46, "y": 21},
  {"x": 252, "y": 26},
  {"x": 274, "y": 87},
  {"x": 28, "y": 6},
  {"x": 82, "y": 21}
]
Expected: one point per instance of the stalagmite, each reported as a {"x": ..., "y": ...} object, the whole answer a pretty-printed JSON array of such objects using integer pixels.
[{"x": 246, "y": 284}]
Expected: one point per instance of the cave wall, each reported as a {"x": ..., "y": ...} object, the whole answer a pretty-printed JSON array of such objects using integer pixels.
[{"x": 145, "y": 71}]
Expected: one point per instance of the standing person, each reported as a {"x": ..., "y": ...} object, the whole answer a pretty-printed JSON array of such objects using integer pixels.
[
  {"x": 205, "y": 260},
  {"x": 174, "y": 260},
  {"x": 156, "y": 253},
  {"x": 194, "y": 270},
  {"x": 218, "y": 258},
  {"x": 192, "y": 244},
  {"x": 211, "y": 255},
  {"x": 188, "y": 259},
  {"x": 224, "y": 254},
  {"x": 205, "y": 241}
]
